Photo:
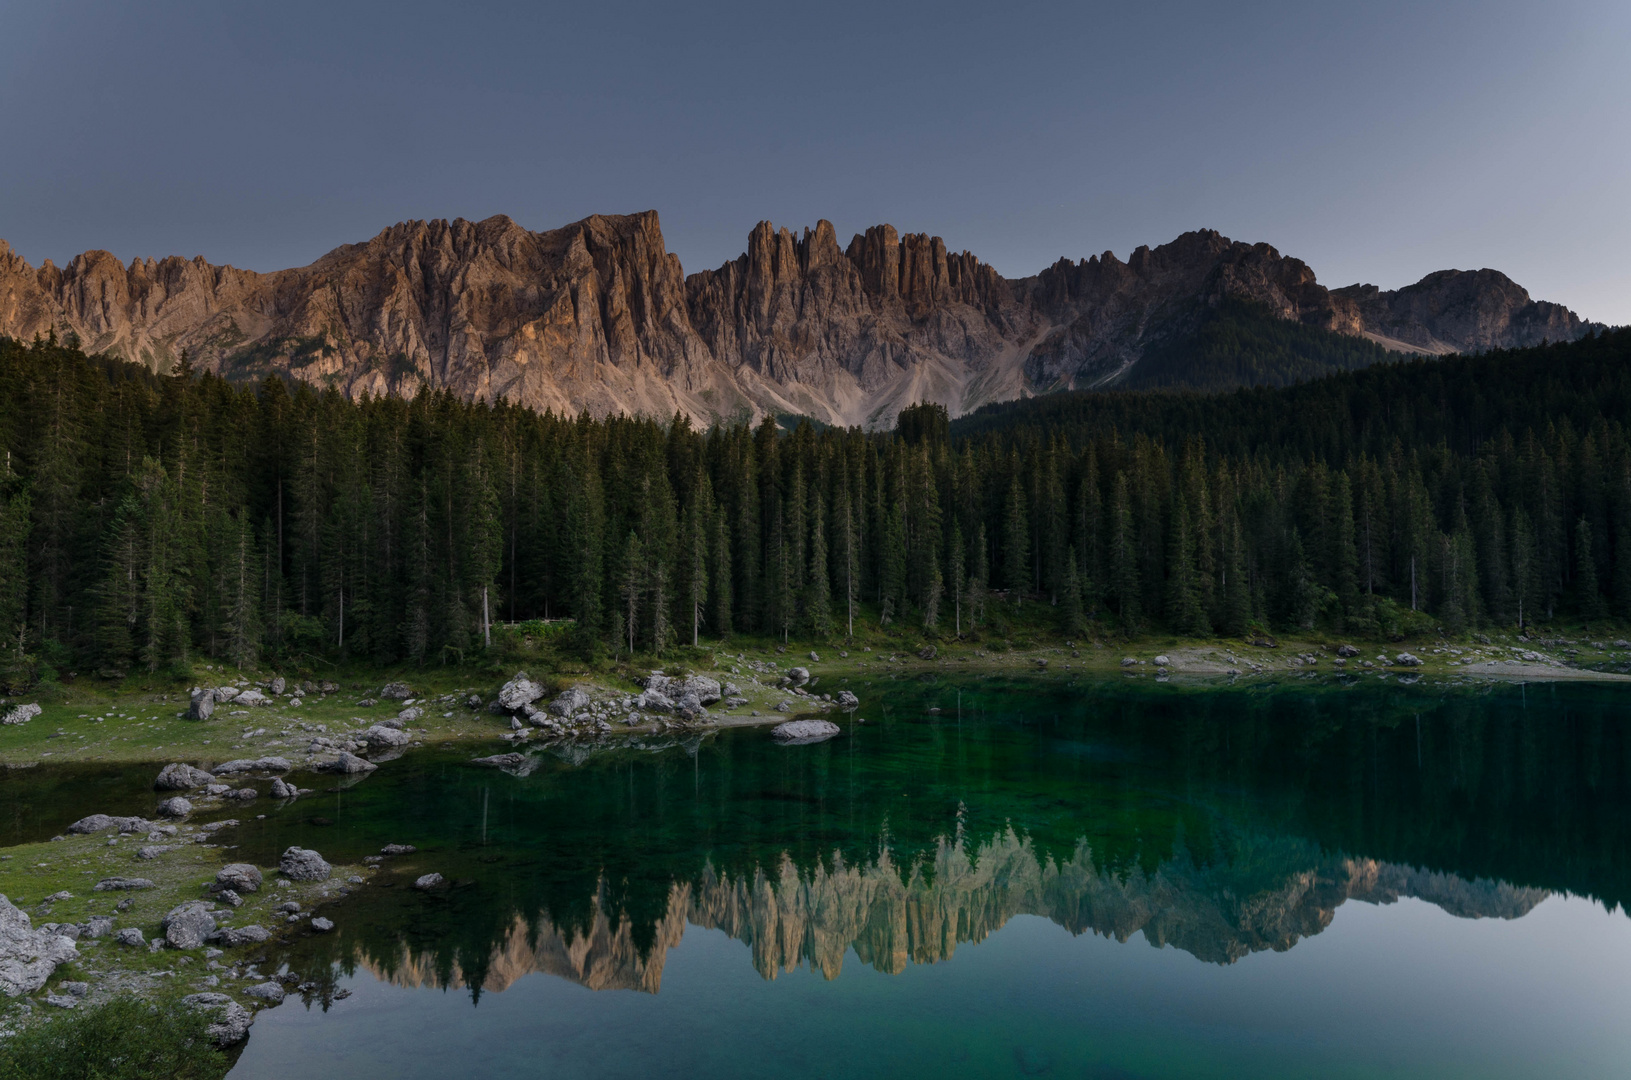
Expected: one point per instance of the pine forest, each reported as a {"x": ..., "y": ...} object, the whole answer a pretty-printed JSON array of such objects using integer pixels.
[{"x": 147, "y": 520}]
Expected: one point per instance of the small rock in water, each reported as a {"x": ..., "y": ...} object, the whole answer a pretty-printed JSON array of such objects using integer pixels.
[
  {"x": 175, "y": 807},
  {"x": 322, "y": 925},
  {"x": 281, "y": 789},
  {"x": 428, "y": 881},
  {"x": 347, "y": 764},
  {"x": 181, "y": 777},
  {"x": 269, "y": 991},
  {"x": 797, "y": 732},
  {"x": 398, "y": 849}
]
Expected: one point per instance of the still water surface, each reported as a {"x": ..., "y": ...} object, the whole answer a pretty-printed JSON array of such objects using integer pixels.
[{"x": 1040, "y": 879}]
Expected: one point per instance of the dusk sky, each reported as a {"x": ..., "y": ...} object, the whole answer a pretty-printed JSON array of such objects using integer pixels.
[{"x": 1378, "y": 142}]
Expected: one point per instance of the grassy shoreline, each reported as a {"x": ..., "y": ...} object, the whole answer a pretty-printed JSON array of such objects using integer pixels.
[{"x": 142, "y": 718}]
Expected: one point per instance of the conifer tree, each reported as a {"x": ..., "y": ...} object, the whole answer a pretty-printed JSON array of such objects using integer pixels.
[
  {"x": 1124, "y": 583},
  {"x": 15, "y": 513},
  {"x": 1589, "y": 595},
  {"x": 1071, "y": 590},
  {"x": 894, "y": 565},
  {"x": 1016, "y": 543},
  {"x": 818, "y": 591},
  {"x": 1184, "y": 609}
]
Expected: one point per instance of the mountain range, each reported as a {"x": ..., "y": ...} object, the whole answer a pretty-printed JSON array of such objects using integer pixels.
[{"x": 599, "y": 315}]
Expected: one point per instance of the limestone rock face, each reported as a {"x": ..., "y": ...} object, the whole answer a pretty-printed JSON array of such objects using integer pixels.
[
  {"x": 1455, "y": 311},
  {"x": 598, "y": 315},
  {"x": 28, "y": 957}
]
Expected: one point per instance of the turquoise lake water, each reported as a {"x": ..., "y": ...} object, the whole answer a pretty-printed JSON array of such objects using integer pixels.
[{"x": 991, "y": 878}]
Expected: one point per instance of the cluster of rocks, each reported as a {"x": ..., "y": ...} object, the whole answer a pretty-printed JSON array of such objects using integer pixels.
[
  {"x": 663, "y": 699},
  {"x": 21, "y": 714},
  {"x": 202, "y": 700}
]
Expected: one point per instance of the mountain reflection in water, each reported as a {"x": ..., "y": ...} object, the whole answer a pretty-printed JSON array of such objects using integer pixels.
[{"x": 791, "y": 916}]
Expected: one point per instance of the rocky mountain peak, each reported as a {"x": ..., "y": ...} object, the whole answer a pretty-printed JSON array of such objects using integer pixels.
[{"x": 598, "y": 314}]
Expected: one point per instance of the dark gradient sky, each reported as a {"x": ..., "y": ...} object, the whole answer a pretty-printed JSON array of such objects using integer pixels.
[{"x": 1377, "y": 141}]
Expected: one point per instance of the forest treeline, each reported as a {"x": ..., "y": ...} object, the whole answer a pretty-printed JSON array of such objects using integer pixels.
[{"x": 146, "y": 520}]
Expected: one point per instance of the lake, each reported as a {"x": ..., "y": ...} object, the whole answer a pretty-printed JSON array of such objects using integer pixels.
[{"x": 991, "y": 877}]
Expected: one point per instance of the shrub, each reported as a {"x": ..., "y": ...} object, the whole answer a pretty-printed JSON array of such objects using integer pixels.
[{"x": 125, "y": 1039}]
